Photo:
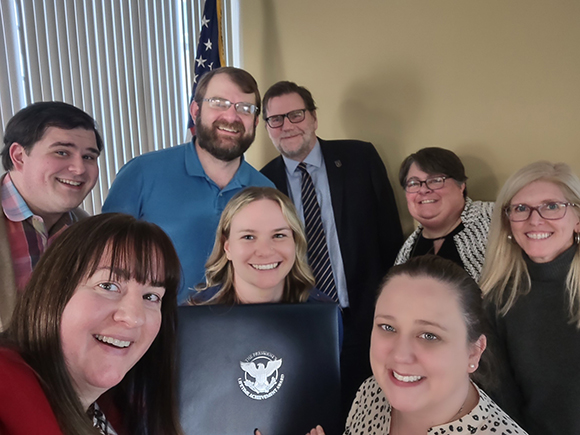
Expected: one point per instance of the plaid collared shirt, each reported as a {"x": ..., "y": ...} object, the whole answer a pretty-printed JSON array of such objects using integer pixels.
[{"x": 27, "y": 234}]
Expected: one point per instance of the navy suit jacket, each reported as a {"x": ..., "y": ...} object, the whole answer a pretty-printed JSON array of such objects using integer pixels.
[{"x": 366, "y": 216}]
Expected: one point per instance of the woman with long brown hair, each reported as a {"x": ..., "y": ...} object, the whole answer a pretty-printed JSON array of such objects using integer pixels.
[{"x": 98, "y": 318}]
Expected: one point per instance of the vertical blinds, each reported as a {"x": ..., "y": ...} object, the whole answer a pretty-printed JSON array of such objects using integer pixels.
[{"x": 128, "y": 63}]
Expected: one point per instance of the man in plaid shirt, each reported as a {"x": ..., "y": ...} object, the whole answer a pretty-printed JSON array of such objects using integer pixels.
[{"x": 50, "y": 154}]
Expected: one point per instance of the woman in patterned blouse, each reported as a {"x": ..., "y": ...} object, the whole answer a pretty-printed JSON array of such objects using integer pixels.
[
  {"x": 427, "y": 343},
  {"x": 451, "y": 225}
]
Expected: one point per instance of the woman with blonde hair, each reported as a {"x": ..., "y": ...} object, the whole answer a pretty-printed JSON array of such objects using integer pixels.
[
  {"x": 531, "y": 283},
  {"x": 259, "y": 255}
]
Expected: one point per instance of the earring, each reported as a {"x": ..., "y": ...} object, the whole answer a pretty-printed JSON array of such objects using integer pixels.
[
  {"x": 471, "y": 366},
  {"x": 577, "y": 238},
  {"x": 510, "y": 237}
]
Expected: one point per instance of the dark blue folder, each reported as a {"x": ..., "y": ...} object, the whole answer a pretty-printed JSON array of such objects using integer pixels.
[{"x": 270, "y": 366}]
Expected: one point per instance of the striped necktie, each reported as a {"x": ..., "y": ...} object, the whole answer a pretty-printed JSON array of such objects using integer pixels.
[{"x": 318, "y": 256}]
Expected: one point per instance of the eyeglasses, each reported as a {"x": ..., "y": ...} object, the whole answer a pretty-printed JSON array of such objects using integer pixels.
[
  {"x": 294, "y": 117},
  {"x": 434, "y": 183},
  {"x": 223, "y": 104},
  {"x": 550, "y": 211}
]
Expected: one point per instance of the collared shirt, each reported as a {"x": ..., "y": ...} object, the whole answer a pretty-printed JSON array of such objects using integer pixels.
[
  {"x": 171, "y": 189},
  {"x": 27, "y": 234},
  {"x": 317, "y": 170}
]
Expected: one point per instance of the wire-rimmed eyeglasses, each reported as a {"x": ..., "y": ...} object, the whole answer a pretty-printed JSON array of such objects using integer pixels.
[
  {"x": 294, "y": 117},
  {"x": 434, "y": 183},
  {"x": 223, "y": 104},
  {"x": 550, "y": 211}
]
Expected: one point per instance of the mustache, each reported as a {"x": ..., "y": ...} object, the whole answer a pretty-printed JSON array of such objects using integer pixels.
[
  {"x": 236, "y": 125},
  {"x": 291, "y": 133}
]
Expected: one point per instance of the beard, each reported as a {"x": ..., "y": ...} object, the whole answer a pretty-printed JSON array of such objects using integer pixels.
[
  {"x": 298, "y": 153},
  {"x": 299, "y": 147},
  {"x": 225, "y": 149}
]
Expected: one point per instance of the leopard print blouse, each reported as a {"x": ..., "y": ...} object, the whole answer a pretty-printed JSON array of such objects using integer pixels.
[{"x": 371, "y": 415}]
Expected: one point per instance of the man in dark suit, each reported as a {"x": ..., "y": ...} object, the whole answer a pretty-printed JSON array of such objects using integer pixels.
[{"x": 359, "y": 215}]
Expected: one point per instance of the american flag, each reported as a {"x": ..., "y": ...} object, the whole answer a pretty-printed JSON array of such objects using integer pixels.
[{"x": 210, "y": 48}]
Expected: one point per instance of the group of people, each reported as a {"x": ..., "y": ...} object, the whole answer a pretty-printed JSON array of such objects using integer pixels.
[
  {"x": 517, "y": 337},
  {"x": 88, "y": 311}
]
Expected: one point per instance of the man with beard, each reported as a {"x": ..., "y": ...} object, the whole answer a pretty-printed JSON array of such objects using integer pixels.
[
  {"x": 184, "y": 189},
  {"x": 354, "y": 238}
]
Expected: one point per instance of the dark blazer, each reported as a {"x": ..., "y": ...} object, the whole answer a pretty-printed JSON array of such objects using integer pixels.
[{"x": 366, "y": 215}]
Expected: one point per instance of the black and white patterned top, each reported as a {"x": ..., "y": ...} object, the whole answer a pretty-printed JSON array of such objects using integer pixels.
[
  {"x": 470, "y": 242},
  {"x": 371, "y": 415},
  {"x": 100, "y": 421}
]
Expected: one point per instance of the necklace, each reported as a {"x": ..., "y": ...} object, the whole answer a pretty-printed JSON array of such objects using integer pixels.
[
  {"x": 421, "y": 242},
  {"x": 450, "y": 229},
  {"x": 432, "y": 244},
  {"x": 436, "y": 238}
]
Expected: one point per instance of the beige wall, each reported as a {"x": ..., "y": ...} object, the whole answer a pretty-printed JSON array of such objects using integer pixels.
[{"x": 496, "y": 81}]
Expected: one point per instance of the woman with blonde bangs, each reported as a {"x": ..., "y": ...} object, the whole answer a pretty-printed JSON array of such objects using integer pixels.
[
  {"x": 259, "y": 255},
  {"x": 531, "y": 283}
]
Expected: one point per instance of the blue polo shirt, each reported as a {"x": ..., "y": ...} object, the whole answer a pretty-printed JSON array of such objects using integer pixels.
[{"x": 170, "y": 188}]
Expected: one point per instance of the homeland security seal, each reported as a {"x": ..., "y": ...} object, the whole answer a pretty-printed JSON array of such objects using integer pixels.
[{"x": 262, "y": 378}]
